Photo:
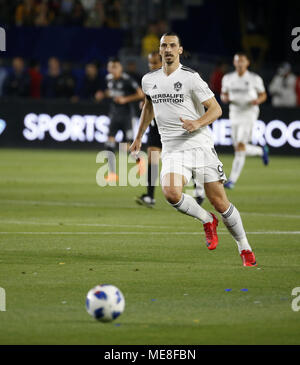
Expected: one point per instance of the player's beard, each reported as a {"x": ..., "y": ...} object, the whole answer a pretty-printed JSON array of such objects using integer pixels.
[{"x": 170, "y": 60}]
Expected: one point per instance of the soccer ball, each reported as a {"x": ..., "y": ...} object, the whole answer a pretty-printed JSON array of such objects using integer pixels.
[{"x": 105, "y": 302}]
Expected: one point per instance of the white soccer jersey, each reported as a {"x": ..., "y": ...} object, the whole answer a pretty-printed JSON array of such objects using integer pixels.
[
  {"x": 178, "y": 95},
  {"x": 242, "y": 90}
]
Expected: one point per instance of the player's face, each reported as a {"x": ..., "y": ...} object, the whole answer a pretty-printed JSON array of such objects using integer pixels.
[
  {"x": 170, "y": 49},
  {"x": 115, "y": 68},
  {"x": 241, "y": 63},
  {"x": 154, "y": 62}
]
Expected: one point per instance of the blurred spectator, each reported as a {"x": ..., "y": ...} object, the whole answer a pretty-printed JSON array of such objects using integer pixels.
[
  {"x": 66, "y": 82},
  {"x": 162, "y": 27},
  {"x": 50, "y": 83},
  {"x": 150, "y": 41},
  {"x": 7, "y": 13},
  {"x": 215, "y": 80},
  {"x": 44, "y": 15},
  {"x": 17, "y": 83},
  {"x": 283, "y": 87},
  {"x": 25, "y": 12},
  {"x": 88, "y": 5},
  {"x": 66, "y": 7},
  {"x": 96, "y": 16},
  {"x": 92, "y": 82},
  {"x": 3, "y": 75},
  {"x": 113, "y": 13},
  {"x": 298, "y": 90},
  {"x": 131, "y": 70},
  {"x": 35, "y": 80},
  {"x": 78, "y": 15}
]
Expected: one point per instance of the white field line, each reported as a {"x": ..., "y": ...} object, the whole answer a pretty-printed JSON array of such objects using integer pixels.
[
  {"x": 144, "y": 233},
  {"x": 79, "y": 224},
  {"x": 85, "y": 204}
]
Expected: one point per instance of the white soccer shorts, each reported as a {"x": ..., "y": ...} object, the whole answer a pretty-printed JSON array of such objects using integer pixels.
[{"x": 202, "y": 163}]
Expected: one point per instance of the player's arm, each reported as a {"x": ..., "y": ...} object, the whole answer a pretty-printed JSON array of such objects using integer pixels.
[
  {"x": 146, "y": 116},
  {"x": 261, "y": 98},
  {"x": 100, "y": 95},
  {"x": 138, "y": 95},
  {"x": 213, "y": 112},
  {"x": 225, "y": 97},
  {"x": 224, "y": 91}
]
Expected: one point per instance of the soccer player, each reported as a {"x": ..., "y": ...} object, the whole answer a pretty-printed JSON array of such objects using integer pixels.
[
  {"x": 154, "y": 150},
  {"x": 176, "y": 96},
  {"x": 123, "y": 90},
  {"x": 244, "y": 91}
]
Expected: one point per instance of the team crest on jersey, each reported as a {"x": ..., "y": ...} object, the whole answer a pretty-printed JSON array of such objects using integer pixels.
[{"x": 177, "y": 86}]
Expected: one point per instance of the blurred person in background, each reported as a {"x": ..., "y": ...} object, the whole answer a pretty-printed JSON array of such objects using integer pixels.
[
  {"x": 25, "y": 12},
  {"x": 215, "y": 81},
  {"x": 65, "y": 11},
  {"x": 44, "y": 15},
  {"x": 283, "y": 87},
  {"x": 123, "y": 91},
  {"x": 3, "y": 75},
  {"x": 150, "y": 42},
  {"x": 96, "y": 16},
  {"x": 92, "y": 83},
  {"x": 244, "y": 91},
  {"x": 78, "y": 15},
  {"x": 17, "y": 83},
  {"x": 113, "y": 13},
  {"x": 131, "y": 70},
  {"x": 35, "y": 79},
  {"x": 67, "y": 82},
  {"x": 50, "y": 83}
]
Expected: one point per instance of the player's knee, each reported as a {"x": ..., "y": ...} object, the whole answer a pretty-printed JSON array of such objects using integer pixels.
[
  {"x": 172, "y": 195},
  {"x": 240, "y": 147}
]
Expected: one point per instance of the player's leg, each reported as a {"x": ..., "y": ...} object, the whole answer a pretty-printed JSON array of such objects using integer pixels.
[
  {"x": 172, "y": 186},
  {"x": 153, "y": 169},
  {"x": 239, "y": 135},
  {"x": 110, "y": 146},
  {"x": 263, "y": 152},
  {"x": 147, "y": 199},
  {"x": 252, "y": 150},
  {"x": 231, "y": 218},
  {"x": 199, "y": 192}
]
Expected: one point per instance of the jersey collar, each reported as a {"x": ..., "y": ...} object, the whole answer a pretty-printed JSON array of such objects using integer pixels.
[{"x": 174, "y": 72}]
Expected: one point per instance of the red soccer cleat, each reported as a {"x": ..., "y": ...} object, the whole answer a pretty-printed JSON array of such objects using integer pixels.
[
  {"x": 248, "y": 258},
  {"x": 210, "y": 230}
]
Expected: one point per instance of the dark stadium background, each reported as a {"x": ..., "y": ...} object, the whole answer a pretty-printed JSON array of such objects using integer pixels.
[{"x": 69, "y": 30}]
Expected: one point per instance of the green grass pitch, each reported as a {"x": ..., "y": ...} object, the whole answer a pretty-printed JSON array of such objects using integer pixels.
[{"x": 61, "y": 234}]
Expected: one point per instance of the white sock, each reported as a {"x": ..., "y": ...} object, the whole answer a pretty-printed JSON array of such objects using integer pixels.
[
  {"x": 233, "y": 222},
  {"x": 189, "y": 206},
  {"x": 252, "y": 150},
  {"x": 237, "y": 165}
]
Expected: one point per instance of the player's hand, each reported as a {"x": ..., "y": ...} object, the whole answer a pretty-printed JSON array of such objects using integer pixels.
[
  {"x": 135, "y": 147},
  {"x": 225, "y": 98},
  {"x": 190, "y": 125},
  {"x": 254, "y": 102},
  {"x": 141, "y": 104},
  {"x": 120, "y": 100},
  {"x": 99, "y": 95}
]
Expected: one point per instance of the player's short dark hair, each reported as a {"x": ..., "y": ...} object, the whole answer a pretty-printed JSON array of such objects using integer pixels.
[
  {"x": 114, "y": 60},
  {"x": 242, "y": 54},
  {"x": 172, "y": 34}
]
